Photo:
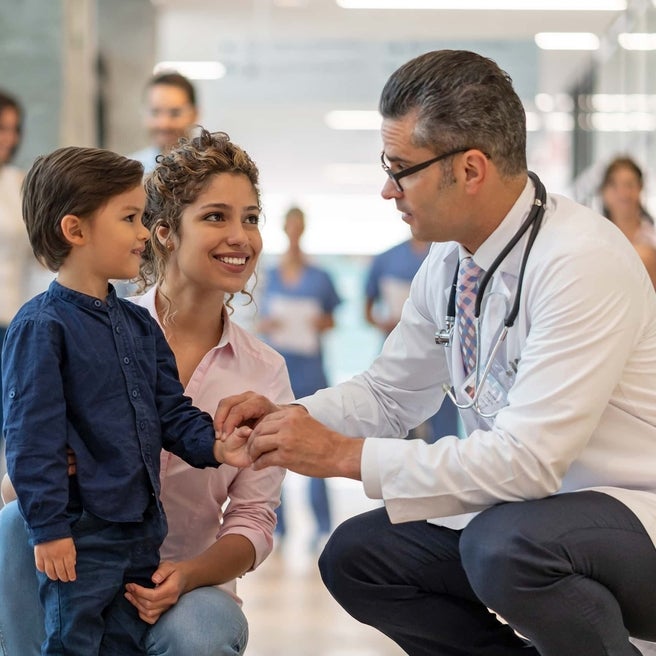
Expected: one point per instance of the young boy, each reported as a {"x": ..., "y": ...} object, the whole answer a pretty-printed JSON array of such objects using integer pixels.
[{"x": 86, "y": 370}]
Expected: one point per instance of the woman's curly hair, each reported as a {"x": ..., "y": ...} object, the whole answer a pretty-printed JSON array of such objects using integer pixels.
[{"x": 180, "y": 176}]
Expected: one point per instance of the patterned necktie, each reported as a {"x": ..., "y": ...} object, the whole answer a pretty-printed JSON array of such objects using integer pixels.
[{"x": 467, "y": 286}]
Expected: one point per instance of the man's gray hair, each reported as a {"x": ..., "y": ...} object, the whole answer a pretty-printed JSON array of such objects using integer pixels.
[{"x": 462, "y": 99}]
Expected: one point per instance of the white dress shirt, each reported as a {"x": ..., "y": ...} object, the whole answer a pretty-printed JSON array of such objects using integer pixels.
[{"x": 581, "y": 408}]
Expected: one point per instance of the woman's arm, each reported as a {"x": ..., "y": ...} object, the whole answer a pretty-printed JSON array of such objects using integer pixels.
[{"x": 228, "y": 558}]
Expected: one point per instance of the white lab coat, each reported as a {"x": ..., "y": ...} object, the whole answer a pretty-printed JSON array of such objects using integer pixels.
[{"x": 581, "y": 411}]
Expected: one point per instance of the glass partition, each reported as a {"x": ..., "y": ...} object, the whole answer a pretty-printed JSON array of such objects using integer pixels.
[{"x": 615, "y": 105}]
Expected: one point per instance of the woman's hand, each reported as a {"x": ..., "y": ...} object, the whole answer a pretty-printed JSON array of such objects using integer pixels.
[{"x": 151, "y": 603}]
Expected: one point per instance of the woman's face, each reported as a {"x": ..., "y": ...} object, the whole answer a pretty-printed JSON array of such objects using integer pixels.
[
  {"x": 621, "y": 193},
  {"x": 219, "y": 239},
  {"x": 9, "y": 135}
]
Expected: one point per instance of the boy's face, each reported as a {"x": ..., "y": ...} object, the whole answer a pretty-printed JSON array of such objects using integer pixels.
[{"x": 116, "y": 237}]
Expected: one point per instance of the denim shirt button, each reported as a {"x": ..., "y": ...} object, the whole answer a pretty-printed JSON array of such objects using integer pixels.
[
  {"x": 135, "y": 393},
  {"x": 97, "y": 303},
  {"x": 126, "y": 360}
]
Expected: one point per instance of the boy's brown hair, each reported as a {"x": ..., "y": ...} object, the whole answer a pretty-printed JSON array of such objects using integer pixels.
[{"x": 71, "y": 180}]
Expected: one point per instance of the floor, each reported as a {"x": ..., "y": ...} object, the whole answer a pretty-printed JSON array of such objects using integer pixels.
[{"x": 289, "y": 610}]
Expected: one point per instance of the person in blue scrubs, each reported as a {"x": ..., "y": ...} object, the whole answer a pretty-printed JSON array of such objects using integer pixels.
[
  {"x": 386, "y": 288},
  {"x": 297, "y": 309}
]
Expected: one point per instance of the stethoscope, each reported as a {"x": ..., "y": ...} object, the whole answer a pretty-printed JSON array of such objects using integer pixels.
[{"x": 444, "y": 337}]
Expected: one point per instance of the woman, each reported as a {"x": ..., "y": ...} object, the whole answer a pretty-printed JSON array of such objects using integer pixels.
[
  {"x": 621, "y": 190},
  {"x": 203, "y": 210},
  {"x": 297, "y": 308}
]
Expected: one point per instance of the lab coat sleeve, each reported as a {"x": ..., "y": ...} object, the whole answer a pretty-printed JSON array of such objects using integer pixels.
[{"x": 582, "y": 319}]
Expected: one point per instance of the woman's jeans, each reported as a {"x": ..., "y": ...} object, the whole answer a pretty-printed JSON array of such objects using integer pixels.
[{"x": 204, "y": 622}]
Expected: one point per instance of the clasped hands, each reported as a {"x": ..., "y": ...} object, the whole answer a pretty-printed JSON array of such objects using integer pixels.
[{"x": 253, "y": 428}]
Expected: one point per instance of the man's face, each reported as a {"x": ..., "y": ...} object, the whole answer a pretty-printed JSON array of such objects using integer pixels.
[
  {"x": 429, "y": 202},
  {"x": 169, "y": 115}
]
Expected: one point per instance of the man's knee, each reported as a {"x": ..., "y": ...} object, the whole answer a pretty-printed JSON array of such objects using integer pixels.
[
  {"x": 493, "y": 548},
  {"x": 346, "y": 554},
  {"x": 337, "y": 554}
]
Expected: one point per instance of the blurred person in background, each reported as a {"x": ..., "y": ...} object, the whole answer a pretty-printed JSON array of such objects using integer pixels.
[
  {"x": 19, "y": 271},
  {"x": 621, "y": 196},
  {"x": 170, "y": 113},
  {"x": 386, "y": 290},
  {"x": 298, "y": 303}
]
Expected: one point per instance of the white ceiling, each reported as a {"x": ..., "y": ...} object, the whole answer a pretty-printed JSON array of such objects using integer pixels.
[{"x": 288, "y": 66}]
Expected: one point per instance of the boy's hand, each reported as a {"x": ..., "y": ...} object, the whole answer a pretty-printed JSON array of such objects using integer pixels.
[
  {"x": 56, "y": 559},
  {"x": 231, "y": 449}
]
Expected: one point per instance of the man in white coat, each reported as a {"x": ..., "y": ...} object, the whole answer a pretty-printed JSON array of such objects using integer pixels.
[{"x": 546, "y": 511}]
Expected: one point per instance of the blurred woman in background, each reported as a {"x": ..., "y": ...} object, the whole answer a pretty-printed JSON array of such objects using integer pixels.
[{"x": 621, "y": 195}]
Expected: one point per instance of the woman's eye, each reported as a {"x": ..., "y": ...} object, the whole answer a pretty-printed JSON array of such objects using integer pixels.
[
  {"x": 215, "y": 216},
  {"x": 252, "y": 219},
  {"x": 130, "y": 218}
]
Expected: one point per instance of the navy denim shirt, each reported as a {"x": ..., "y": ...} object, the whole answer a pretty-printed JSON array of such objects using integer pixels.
[{"x": 98, "y": 377}]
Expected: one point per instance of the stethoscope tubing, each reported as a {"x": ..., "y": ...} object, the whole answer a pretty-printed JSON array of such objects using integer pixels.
[{"x": 534, "y": 221}]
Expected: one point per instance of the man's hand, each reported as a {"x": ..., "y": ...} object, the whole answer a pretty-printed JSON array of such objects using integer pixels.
[
  {"x": 231, "y": 449},
  {"x": 241, "y": 410},
  {"x": 291, "y": 438},
  {"x": 151, "y": 603},
  {"x": 56, "y": 559}
]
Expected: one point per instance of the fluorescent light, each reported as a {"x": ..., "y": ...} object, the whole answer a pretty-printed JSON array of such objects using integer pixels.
[
  {"x": 567, "y": 41},
  {"x": 637, "y": 41},
  {"x": 558, "y": 122},
  {"x": 194, "y": 70},
  {"x": 353, "y": 120},
  {"x": 621, "y": 122},
  {"x": 511, "y": 5},
  {"x": 618, "y": 102},
  {"x": 533, "y": 122}
]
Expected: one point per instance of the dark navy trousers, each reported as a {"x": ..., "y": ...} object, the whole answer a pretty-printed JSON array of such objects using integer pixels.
[
  {"x": 90, "y": 615},
  {"x": 573, "y": 573}
]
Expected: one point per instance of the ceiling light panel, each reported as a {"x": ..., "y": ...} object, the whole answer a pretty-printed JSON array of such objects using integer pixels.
[
  {"x": 491, "y": 5},
  {"x": 567, "y": 41}
]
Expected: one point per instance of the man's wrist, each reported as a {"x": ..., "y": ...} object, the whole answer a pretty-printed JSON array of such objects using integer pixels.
[{"x": 348, "y": 457}]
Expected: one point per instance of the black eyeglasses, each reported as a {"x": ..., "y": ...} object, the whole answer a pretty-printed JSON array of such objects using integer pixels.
[{"x": 395, "y": 177}]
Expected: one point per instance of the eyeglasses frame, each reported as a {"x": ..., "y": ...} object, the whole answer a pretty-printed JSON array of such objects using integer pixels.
[{"x": 395, "y": 177}]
